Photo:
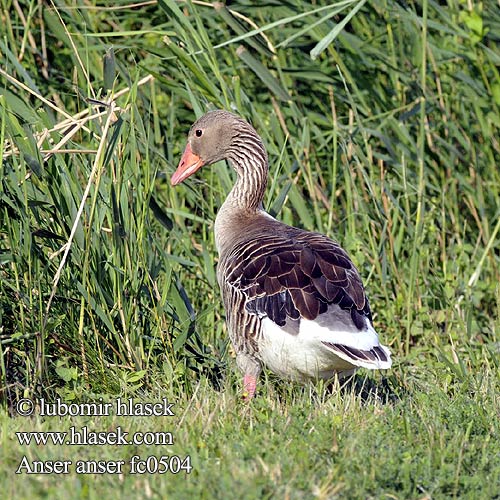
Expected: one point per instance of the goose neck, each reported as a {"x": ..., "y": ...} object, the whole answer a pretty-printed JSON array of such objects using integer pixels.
[{"x": 249, "y": 159}]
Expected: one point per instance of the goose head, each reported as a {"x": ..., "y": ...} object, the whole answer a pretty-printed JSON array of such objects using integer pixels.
[{"x": 209, "y": 141}]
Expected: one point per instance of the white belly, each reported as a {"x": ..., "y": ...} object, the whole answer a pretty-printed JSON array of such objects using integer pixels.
[
  {"x": 293, "y": 358},
  {"x": 297, "y": 350},
  {"x": 296, "y": 357}
]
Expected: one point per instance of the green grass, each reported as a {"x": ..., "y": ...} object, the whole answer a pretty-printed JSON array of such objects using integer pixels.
[
  {"x": 436, "y": 438},
  {"x": 382, "y": 132}
]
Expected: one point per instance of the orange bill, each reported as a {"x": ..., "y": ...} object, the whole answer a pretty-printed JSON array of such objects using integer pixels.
[{"x": 189, "y": 164}]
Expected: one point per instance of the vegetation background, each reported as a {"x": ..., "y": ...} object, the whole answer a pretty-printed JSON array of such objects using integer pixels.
[{"x": 382, "y": 124}]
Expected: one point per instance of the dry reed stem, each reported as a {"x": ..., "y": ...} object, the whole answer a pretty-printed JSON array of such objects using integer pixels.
[{"x": 67, "y": 246}]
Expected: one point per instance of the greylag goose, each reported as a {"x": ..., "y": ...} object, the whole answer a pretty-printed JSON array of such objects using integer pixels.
[{"x": 294, "y": 300}]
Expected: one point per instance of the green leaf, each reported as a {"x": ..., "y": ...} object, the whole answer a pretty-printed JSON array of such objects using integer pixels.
[
  {"x": 328, "y": 39},
  {"x": 109, "y": 69},
  {"x": 263, "y": 73}
]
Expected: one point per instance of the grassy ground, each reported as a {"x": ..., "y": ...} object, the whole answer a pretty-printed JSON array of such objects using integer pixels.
[
  {"x": 382, "y": 125},
  {"x": 434, "y": 440}
]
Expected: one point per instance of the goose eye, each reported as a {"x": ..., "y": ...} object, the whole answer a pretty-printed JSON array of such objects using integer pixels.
[{"x": 199, "y": 133}]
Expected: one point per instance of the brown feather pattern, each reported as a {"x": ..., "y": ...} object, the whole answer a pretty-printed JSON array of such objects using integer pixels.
[
  {"x": 295, "y": 274},
  {"x": 375, "y": 354}
]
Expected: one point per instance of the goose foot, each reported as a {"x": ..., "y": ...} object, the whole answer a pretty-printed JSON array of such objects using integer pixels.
[{"x": 249, "y": 386}]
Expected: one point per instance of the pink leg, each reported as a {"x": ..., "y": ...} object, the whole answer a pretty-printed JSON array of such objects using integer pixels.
[{"x": 249, "y": 385}]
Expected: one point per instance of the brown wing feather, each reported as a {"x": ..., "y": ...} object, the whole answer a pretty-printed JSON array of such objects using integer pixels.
[
  {"x": 296, "y": 275},
  {"x": 375, "y": 354}
]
